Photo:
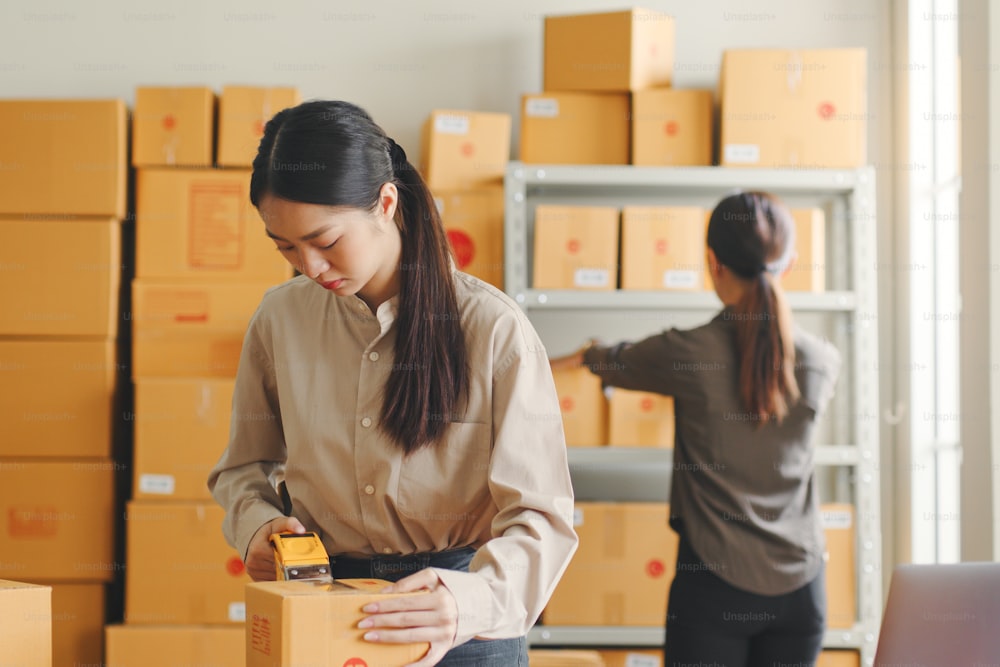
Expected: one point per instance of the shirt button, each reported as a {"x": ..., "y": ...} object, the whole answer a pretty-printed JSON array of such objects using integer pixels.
[
  {"x": 373, "y": 356},
  {"x": 366, "y": 422},
  {"x": 387, "y": 550},
  {"x": 369, "y": 489}
]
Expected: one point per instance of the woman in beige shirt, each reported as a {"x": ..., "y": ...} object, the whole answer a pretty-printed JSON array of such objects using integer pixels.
[{"x": 408, "y": 408}]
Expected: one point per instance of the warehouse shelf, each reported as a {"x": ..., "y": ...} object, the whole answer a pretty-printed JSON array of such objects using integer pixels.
[
  {"x": 636, "y": 299},
  {"x": 547, "y": 636},
  {"x": 606, "y": 457}
]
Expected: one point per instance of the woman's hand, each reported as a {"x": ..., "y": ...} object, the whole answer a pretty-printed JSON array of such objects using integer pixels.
[
  {"x": 431, "y": 617},
  {"x": 260, "y": 555}
]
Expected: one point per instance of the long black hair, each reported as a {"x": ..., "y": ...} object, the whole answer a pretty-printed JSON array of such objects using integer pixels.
[
  {"x": 332, "y": 153},
  {"x": 753, "y": 235}
]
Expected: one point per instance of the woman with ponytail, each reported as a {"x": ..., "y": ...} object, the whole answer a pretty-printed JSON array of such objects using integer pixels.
[
  {"x": 405, "y": 407},
  {"x": 748, "y": 387}
]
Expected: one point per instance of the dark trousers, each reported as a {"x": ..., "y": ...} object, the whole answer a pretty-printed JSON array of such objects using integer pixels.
[
  {"x": 714, "y": 624},
  {"x": 473, "y": 653}
]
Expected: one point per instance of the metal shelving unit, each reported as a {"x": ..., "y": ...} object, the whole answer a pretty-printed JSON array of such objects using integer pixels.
[{"x": 638, "y": 474}]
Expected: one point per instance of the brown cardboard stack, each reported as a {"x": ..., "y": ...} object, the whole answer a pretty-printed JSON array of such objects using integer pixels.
[
  {"x": 62, "y": 198},
  {"x": 462, "y": 159}
]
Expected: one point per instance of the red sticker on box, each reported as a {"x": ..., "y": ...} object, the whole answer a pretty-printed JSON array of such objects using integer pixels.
[
  {"x": 826, "y": 110},
  {"x": 646, "y": 405},
  {"x": 235, "y": 567},
  {"x": 463, "y": 247},
  {"x": 661, "y": 246},
  {"x": 169, "y": 122},
  {"x": 671, "y": 128},
  {"x": 468, "y": 149},
  {"x": 566, "y": 403},
  {"x": 355, "y": 662},
  {"x": 573, "y": 246},
  {"x": 655, "y": 568}
]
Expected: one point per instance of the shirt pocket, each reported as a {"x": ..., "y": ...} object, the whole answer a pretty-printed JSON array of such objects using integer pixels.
[{"x": 449, "y": 480}]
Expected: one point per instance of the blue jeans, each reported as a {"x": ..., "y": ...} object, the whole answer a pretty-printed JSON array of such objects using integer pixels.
[{"x": 473, "y": 653}]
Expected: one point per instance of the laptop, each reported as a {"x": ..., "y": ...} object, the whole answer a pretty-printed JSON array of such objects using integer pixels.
[{"x": 944, "y": 615}]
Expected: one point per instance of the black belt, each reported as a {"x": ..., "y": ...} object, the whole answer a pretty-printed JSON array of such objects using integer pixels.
[{"x": 381, "y": 565}]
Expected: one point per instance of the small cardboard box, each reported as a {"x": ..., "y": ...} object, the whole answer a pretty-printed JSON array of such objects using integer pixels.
[
  {"x": 808, "y": 272},
  {"x": 839, "y": 659},
  {"x": 173, "y": 126},
  {"x": 26, "y": 631},
  {"x": 641, "y": 419},
  {"x": 663, "y": 248},
  {"x": 841, "y": 579},
  {"x": 464, "y": 149},
  {"x": 576, "y": 247},
  {"x": 794, "y": 108},
  {"x": 243, "y": 113},
  {"x": 473, "y": 220},
  {"x": 78, "y": 623},
  {"x": 583, "y": 407},
  {"x": 63, "y": 158},
  {"x": 199, "y": 224},
  {"x": 181, "y": 430},
  {"x": 56, "y": 398},
  {"x": 172, "y": 645},
  {"x": 309, "y": 623},
  {"x": 575, "y": 128},
  {"x": 672, "y": 127},
  {"x": 60, "y": 277},
  {"x": 613, "y": 51},
  {"x": 180, "y": 570},
  {"x": 633, "y": 658}
]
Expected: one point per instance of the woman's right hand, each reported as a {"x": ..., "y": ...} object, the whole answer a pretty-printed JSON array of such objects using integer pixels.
[{"x": 260, "y": 555}]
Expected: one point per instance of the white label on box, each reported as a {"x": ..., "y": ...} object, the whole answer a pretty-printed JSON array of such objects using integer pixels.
[
  {"x": 238, "y": 612},
  {"x": 835, "y": 519},
  {"x": 591, "y": 278},
  {"x": 542, "y": 107},
  {"x": 680, "y": 279},
  {"x": 640, "y": 660},
  {"x": 451, "y": 124},
  {"x": 577, "y": 516},
  {"x": 162, "y": 485},
  {"x": 742, "y": 154}
]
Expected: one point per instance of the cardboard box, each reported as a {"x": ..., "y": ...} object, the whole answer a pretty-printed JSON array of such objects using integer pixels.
[
  {"x": 808, "y": 272},
  {"x": 181, "y": 430},
  {"x": 180, "y": 570},
  {"x": 614, "y": 51},
  {"x": 576, "y": 247},
  {"x": 641, "y": 419},
  {"x": 60, "y": 277},
  {"x": 841, "y": 573},
  {"x": 663, "y": 248},
  {"x": 26, "y": 631},
  {"x": 199, "y": 224},
  {"x": 583, "y": 407},
  {"x": 672, "y": 127},
  {"x": 293, "y": 623},
  {"x": 243, "y": 113},
  {"x": 633, "y": 658},
  {"x": 621, "y": 572},
  {"x": 59, "y": 520},
  {"x": 464, "y": 149},
  {"x": 473, "y": 220},
  {"x": 794, "y": 108},
  {"x": 173, "y": 126},
  {"x": 564, "y": 658},
  {"x": 56, "y": 397},
  {"x": 63, "y": 158},
  {"x": 78, "y": 624},
  {"x": 839, "y": 659},
  {"x": 190, "y": 330},
  {"x": 169, "y": 646},
  {"x": 575, "y": 128}
]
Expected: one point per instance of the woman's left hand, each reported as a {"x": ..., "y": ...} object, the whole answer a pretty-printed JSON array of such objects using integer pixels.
[{"x": 431, "y": 617}]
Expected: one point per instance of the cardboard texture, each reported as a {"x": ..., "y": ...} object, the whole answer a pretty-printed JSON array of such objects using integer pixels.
[
  {"x": 641, "y": 419},
  {"x": 63, "y": 158},
  {"x": 575, "y": 128},
  {"x": 808, "y": 272},
  {"x": 633, "y": 658},
  {"x": 841, "y": 572},
  {"x": 575, "y": 247},
  {"x": 170, "y": 646},
  {"x": 291, "y": 623},
  {"x": 583, "y": 407},
  {"x": 58, "y": 520},
  {"x": 173, "y": 126},
  {"x": 26, "y": 631},
  {"x": 473, "y": 221},
  {"x": 464, "y": 149},
  {"x": 663, "y": 248},
  {"x": 180, "y": 569},
  {"x": 243, "y": 113},
  {"x": 60, "y": 277},
  {"x": 181, "y": 430},
  {"x": 199, "y": 224},
  {"x": 56, "y": 398},
  {"x": 621, "y": 572},
  {"x": 794, "y": 108},
  {"x": 672, "y": 127},
  {"x": 77, "y": 624},
  {"x": 564, "y": 658},
  {"x": 839, "y": 659},
  {"x": 612, "y": 51}
]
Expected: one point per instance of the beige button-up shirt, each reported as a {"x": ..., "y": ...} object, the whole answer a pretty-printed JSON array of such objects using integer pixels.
[{"x": 306, "y": 409}]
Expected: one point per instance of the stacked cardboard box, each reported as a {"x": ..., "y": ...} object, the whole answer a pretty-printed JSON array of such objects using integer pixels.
[
  {"x": 62, "y": 200},
  {"x": 26, "y": 633},
  {"x": 463, "y": 158}
]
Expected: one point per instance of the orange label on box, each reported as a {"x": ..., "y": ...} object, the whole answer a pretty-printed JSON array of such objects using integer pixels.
[
  {"x": 216, "y": 228},
  {"x": 260, "y": 634},
  {"x": 29, "y": 522},
  {"x": 180, "y": 306}
]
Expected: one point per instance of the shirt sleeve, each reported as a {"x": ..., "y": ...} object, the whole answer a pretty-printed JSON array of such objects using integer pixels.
[
  {"x": 513, "y": 575},
  {"x": 242, "y": 481},
  {"x": 652, "y": 364}
]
